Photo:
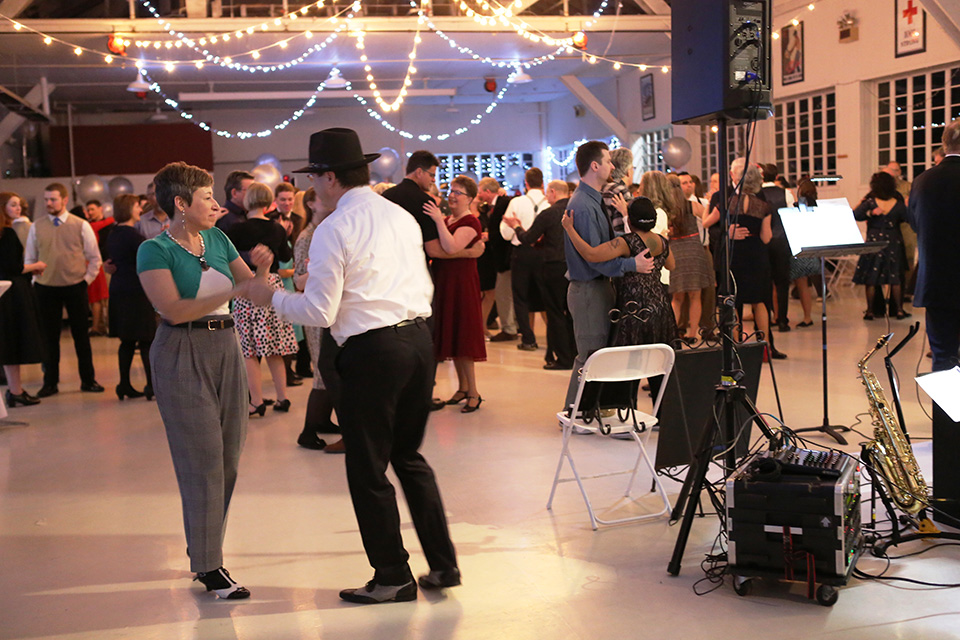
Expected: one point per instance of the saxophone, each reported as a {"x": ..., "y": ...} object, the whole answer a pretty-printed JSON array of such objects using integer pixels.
[{"x": 889, "y": 453}]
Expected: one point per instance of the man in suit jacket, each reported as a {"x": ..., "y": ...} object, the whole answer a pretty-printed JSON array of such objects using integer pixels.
[
  {"x": 489, "y": 192},
  {"x": 934, "y": 213}
]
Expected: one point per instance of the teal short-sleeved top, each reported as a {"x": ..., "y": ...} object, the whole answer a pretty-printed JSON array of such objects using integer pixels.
[{"x": 163, "y": 253}]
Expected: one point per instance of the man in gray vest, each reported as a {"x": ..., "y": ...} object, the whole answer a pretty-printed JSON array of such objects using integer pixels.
[{"x": 68, "y": 246}]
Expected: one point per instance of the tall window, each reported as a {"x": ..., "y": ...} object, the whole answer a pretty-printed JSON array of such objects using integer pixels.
[
  {"x": 482, "y": 165},
  {"x": 911, "y": 113},
  {"x": 647, "y": 154},
  {"x": 806, "y": 135},
  {"x": 709, "y": 139}
]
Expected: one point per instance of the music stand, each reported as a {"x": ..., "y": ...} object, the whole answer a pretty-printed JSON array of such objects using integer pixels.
[{"x": 827, "y": 230}]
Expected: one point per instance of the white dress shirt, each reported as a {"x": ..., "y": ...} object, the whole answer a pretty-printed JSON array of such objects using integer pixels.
[
  {"x": 91, "y": 251},
  {"x": 366, "y": 270},
  {"x": 522, "y": 207}
]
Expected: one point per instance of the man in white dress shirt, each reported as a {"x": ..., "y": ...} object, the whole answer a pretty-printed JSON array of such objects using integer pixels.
[
  {"x": 69, "y": 248},
  {"x": 367, "y": 281}
]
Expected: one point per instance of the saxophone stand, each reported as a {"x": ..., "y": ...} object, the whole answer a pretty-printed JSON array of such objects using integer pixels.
[{"x": 731, "y": 405}]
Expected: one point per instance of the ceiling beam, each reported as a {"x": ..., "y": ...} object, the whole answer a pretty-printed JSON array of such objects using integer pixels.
[
  {"x": 596, "y": 107},
  {"x": 556, "y": 25},
  {"x": 947, "y": 15},
  {"x": 330, "y": 94},
  {"x": 524, "y": 5},
  {"x": 653, "y": 7},
  {"x": 11, "y": 122},
  {"x": 12, "y": 8}
]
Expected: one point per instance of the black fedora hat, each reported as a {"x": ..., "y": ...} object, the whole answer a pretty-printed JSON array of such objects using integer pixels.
[{"x": 334, "y": 150}]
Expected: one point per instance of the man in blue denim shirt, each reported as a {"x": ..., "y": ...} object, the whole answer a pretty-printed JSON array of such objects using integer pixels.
[{"x": 591, "y": 294}]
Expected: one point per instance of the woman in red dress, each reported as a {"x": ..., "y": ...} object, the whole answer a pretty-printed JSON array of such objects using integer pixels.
[
  {"x": 98, "y": 293},
  {"x": 457, "y": 322}
]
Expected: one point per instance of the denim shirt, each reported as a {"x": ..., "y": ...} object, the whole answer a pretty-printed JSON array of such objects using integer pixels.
[{"x": 593, "y": 226}]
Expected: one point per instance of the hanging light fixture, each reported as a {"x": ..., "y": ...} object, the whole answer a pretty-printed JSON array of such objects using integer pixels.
[
  {"x": 519, "y": 76},
  {"x": 139, "y": 85},
  {"x": 335, "y": 80}
]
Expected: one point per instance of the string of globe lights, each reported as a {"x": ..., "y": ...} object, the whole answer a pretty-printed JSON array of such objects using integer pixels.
[
  {"x": 551, "y": 157},
  {"x": 385, "y": 106},
  {"x": 228, "y": 61},
  {"x": 423, "y": 137},
  {"x": 795, "y": 21},
  {"x": 527, "y": 64},
  {"x": 281, "y": 21}
]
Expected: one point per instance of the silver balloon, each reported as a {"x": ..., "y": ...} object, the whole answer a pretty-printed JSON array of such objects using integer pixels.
[
  {"x": 387, "y": 164},
  {"x": 120, "y": 186},
  {"x": 92, "y": 187},
  {"x": 108, "y": 209},
  {"x": 267, "y": 174},
  {"x": 268, "y": 158},
  {"x": 676, "y": 152},
  {"x": 472, "y": 175},
  {"x": 515, "y": 175}
]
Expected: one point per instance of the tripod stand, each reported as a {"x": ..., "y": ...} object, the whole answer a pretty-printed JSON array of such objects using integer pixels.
[{"x": 730, "y": 395}]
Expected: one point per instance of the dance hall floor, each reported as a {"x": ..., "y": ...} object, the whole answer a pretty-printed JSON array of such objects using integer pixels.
[{"x": 92, "y": 546}]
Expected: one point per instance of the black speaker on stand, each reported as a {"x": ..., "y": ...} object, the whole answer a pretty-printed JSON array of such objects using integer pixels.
[{"x": 721, "y": 74}]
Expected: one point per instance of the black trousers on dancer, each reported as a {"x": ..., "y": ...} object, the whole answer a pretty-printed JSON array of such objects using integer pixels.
[
  {"x": 52, "y": 300},
  {"x": 386, "y": 381},
  {"x": 779, "y": 250},
  {"x": 553, "y": 285},
  {"x": 525, "y": 267}
]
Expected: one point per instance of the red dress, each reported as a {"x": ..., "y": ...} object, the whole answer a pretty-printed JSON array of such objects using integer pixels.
[
  {"x": 457, "y": 325},
  {"x": 99, "y": 289}
]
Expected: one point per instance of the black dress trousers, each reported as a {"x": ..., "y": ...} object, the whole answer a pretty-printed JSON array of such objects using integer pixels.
[{"x": 52, "y": 300}]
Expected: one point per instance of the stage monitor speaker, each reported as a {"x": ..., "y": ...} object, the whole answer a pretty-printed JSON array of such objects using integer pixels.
[
  {"x": 721, "y": 60},
  {"x": 687, "y": 406}
]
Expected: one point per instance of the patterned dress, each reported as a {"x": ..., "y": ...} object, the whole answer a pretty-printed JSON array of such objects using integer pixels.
[
  {"x": 693, "y": 271},
  {"x": 888, "y": 265},
  {"x": 643, "y": 313}
]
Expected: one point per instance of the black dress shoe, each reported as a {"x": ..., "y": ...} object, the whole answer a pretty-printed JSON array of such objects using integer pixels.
[
  {"x": 23, "y": 398},
  {"x": 528, "y": 346},
  {"x": 47, "y": 391},
  {"x": 374, "y": 593},
  {"x": 557, "y": 366},
  {"x": 440, "y": 579},
  {"x": 311, "y": 441},
  {"x": 777, "y": 355},
  {"x": 220, "y": 582},
  {"x": 503, "y": 336},
  {"x": 91, "y": 387},
  {"x": 436, "y": 404},
  {"x": 283, "y": 405},
  {"x": 293, "y": 380}
]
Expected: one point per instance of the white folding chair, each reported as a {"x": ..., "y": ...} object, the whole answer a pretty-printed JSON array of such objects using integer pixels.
[{"x": 616, "y": 364}]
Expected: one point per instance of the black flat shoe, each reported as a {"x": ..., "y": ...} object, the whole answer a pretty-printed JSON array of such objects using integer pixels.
[
  {"x": 48, "y": 390},
  {"x": 283, "y": 406},
  {"x": 457, "y": 398},
  {"x": 470, "y": 408},
  {"x": 127, "y": 391},
  {"x": 22, "y": 398},
  {"x": 311, "y": 441},
  {"x": 440, "y": 579},
  {"x": 220, "y": 582},
  {"x": 91, "y": 387},
  {"x": 259, "y": 410},
  {"x": 805, "y": 324}
]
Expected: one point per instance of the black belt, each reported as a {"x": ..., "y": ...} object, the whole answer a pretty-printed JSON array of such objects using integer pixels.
[
  {"x": 399, "y": 325},
  {"x": 210, "y": 324}
]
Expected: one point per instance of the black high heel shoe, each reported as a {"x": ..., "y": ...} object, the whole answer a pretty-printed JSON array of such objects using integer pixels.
[
  {"x": 22, "y": 398},
  {"x": 148, "y": 392},
  {"x": 458, "y": 397},
  {"x": 470, "y": 408},
  {"x": 220, "y": 582},
  {"x": 259, "y": 410},
  {"x": 128, "y": 391},
  {"x": 283, "y": 405}
]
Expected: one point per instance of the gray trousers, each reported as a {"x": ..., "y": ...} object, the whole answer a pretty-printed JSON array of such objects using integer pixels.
[
  {"x": 589, "y": 303},
  {"x": 504, "y": 297},
  {"x": 201, "y": 386}
]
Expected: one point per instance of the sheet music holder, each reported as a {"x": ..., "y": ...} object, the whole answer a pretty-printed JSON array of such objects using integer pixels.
[{"x": 827, "y": 230}]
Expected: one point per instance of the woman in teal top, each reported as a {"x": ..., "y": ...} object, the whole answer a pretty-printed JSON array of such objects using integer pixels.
[{"x": 190, "y": 273}]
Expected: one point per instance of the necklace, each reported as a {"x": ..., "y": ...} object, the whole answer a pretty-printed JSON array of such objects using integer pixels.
[{"x": 203, "y": 249}]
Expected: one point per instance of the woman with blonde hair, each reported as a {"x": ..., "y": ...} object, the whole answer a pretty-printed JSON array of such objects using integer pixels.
[{"x": 262, "y": 333}]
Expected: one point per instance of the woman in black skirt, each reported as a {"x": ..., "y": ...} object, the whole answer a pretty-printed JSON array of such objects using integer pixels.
[
  {"x": 883, "y": 209},
  {"x": 20, "y": 340},
  {"x": 132, "y": 318}
]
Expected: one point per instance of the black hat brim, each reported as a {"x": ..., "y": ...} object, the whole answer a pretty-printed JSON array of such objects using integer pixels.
[{"x": 315, "y": 168}]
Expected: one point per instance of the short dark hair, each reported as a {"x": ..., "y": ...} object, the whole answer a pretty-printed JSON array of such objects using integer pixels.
[
  {"x": 235, "y": 181},
  {"x": 356, "y": 177},
  {"x": 534, "y": 178},
  {"x": 123, "y": 206},
  {"x": 308, "y": 197},
  {"x": 93, "y": 202},
  {"x": 468, "y": 185},
  {"x": 883, "y": 185},
  {"x": 56, "y": 186},
  {"x": 284, "y": 187},
  {"x": 770, "y": 172},
  {"x": 421, "y": 159},
  {"x": 179, "y": 179},
  {"x": 642, "y": 214},
  {"x": 588, "y": 153}
]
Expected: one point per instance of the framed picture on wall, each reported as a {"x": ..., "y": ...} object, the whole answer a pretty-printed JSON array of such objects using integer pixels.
[
  {"x": 791, "y": 48},
  {"x": 648, "y": 105},
  {"x": 911, "y": 21}
]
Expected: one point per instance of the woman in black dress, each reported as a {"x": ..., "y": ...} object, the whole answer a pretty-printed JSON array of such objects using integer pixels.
[
  {"x": 20, "y": 340},
  {"x": 262, "y": 333},
  {"x": 132, "y": 318},
  {"x": 884, "y": 210}
]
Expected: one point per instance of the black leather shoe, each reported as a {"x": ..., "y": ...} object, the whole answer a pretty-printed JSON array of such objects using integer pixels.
[
  {"x": 783, "y": 327},
  {"x": 293, "y": 380},
  {"x": 777, "y": 355},
  {"x": 557, "y": 366},
  {"x": 440, "y": 579},
  {"x": 91, "y": 387},
  {"x": 220, "y": 582},
  {"x": 374, "y": 593},
  {"x": 503, "y": 336},
  {"x": 47, "y": 391},
  {"x": 128, "y": 391},
  {"x": 23, "y": 398},
  {"x": 311, "y": 441},
  {"x": 528, "y": 346},
  {"x": 283, "y": 405}
]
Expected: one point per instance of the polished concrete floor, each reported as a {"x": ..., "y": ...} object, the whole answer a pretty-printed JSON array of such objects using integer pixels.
[{"x": 91, "y": 540}]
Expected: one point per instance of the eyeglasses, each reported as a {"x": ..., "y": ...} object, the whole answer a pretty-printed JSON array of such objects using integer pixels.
[{"x": 454, "y": 192}]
